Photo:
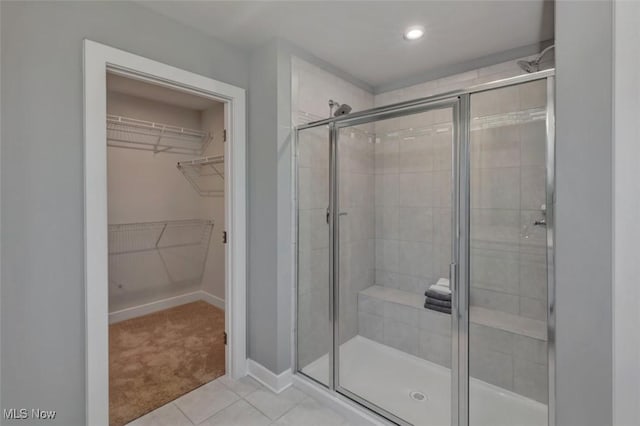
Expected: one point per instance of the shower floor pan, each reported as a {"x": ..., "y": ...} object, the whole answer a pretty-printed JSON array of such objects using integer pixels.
[{"x": 419, "y": 391}]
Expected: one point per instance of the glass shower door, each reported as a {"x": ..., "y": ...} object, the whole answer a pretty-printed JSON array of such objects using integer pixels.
[
  {"x": 394, "y": 217},
  {"x": 314, "y": 309},
  {"x": 509, "y": 255}
]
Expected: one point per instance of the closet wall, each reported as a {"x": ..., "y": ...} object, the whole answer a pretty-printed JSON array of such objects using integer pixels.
[{"x": 144, "y": 187}]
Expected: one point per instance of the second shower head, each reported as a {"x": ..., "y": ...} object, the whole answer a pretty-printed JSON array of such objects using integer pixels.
[
  {"x": 529, "y": 66},
  {"x": 534, "y": 65}
]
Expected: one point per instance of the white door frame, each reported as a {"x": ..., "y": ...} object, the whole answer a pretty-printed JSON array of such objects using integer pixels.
[{"x": 99, "y": 58}]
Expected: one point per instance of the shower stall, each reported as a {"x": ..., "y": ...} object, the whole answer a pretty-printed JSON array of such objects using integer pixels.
[{"x": 455, "y": 189}]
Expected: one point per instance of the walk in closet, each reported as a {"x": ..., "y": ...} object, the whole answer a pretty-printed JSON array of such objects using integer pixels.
[{"x": 166, "y": 174}]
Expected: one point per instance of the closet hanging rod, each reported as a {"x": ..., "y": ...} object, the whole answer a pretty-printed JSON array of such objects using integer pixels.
[{"x": 204, "y": 161}]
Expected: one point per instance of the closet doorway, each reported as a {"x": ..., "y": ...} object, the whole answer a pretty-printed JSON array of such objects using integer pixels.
[
  {"x": 165, "y": 195},
  {"x": 165, "y": 231}
]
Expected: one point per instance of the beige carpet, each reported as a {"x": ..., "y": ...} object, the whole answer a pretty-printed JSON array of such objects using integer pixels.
[{"x": 156, "y": 358}]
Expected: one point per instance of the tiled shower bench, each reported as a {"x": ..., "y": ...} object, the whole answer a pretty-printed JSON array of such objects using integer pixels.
[{"x": 506, "y": 350}]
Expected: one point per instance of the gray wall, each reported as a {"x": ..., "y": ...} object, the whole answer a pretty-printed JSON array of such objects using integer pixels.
[
  {"x": 627, "y": 205},
  {"x": 284, "y": 209},
  {"x": 270, "y": 275},
  {"x": 262, "y": 296},
  {"x": 584, "y": 212},
  {"x": 43, "y": 359}
]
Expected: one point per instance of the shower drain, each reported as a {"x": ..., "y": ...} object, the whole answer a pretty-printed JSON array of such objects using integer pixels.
[{"x": 417, "y": 396}]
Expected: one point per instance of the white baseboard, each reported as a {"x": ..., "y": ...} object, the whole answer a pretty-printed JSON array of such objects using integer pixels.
[
  {"x": 354, "y": 414},
  {"x": 159, "y": 305},
  {"x": 213, "y": 300},
  {"x": 276, "y": 382}
]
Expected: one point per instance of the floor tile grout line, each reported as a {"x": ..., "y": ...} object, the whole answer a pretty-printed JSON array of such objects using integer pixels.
[
  {"x": 183, "y": 413},
  {"x": 258, "y": 409},
  {"x": 240, "y": 397},
  {"x": 292, "y": 407},
  {"x": 220, "y": 411},
  {"x": 280, "y": 416}
]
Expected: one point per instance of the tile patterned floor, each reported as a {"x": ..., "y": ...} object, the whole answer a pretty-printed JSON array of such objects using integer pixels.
[{"x": 243, "y": 402}]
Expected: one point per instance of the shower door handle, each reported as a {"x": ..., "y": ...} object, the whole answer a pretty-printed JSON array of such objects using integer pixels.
[
  {"x": 453, "y": 284},
  {"x": 339, "y": 214},
  {"x": 452, "y": 277}
]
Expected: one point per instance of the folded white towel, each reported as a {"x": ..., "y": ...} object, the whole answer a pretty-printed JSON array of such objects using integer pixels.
[
  {"x": 440, "y": 289},
  {"x": 443, "y": 282}
]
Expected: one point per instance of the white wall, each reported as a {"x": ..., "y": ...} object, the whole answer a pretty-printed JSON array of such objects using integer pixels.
[
  {"x": 144, "y": 187},
  {"x": 148, "y": 187},
  {"x": 312, "y": 87}
]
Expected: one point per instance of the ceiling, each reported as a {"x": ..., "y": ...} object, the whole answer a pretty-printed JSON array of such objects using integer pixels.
[
  {"x": 364, "y": 38},
  {"x": 155, "y": 92}
]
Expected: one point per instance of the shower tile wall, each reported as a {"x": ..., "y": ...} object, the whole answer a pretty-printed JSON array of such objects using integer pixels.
[
  {"x": 508, "y": 196},
  {"x": 356, "y": 222},
  {"x": 313, "y": 246},
  {"x": 413, "y": 200}
]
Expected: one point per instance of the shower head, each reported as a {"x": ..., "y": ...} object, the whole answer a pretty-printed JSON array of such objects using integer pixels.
[
  {"x": 529, "y": 66},
  {"x": 342, "y": 110},
  {"x": 534, "y": 65}
]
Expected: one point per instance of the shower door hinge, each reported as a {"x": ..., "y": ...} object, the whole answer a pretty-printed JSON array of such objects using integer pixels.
[
  {"x": 225, "y": 337},
  {"x": 224, "y": 237},
  {"x": 224, "y": 135}
]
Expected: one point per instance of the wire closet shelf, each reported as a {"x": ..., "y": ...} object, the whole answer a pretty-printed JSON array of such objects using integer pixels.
[
  {"x": 126, "y": 132},
  {"x": 206, "y": 175},
  {"x": 143, "y": 256}
]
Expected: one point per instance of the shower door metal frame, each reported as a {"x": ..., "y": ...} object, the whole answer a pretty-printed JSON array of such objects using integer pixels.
[
  {"x": 422, "y": 107},
  {"x": 459, "y": 272}
]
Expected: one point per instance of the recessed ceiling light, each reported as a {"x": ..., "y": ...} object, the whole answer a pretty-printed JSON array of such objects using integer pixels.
[{"x": 413, "y": 33}]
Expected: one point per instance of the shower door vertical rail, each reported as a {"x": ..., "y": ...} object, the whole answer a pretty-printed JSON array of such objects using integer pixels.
[
  {"x": 461, "y": 218},
  {"x": 551, "y": 285},
  {"x": 333, "y": 256}
]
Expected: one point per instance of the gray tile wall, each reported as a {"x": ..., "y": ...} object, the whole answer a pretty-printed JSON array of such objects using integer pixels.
[
  {"x": 413, "y": 200},
  {"x": 508, "y": 257},
  {"x": 356, "y": 222},
  {"x": 313, "y": 246}
]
